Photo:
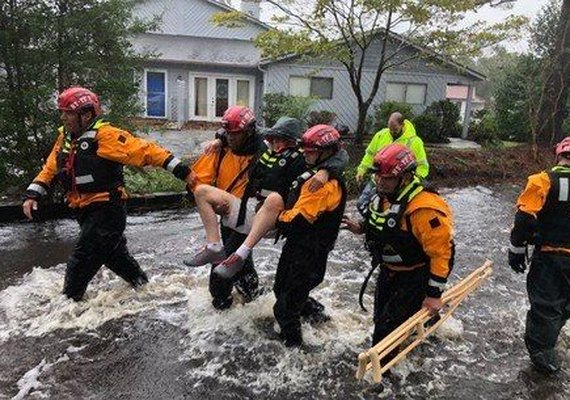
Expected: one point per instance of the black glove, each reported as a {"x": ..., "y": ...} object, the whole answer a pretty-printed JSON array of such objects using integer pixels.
[{"x": 518, "y": 258}]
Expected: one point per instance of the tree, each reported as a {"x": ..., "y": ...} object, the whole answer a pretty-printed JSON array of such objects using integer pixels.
[
  {"x": 552, "y": 40},
  {"x": 47, "y": 45},
  {"x": 359, "y": 33},
  {"x": 516, "y": 89}
]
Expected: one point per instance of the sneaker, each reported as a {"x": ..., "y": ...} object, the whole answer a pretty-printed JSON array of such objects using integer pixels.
[
  {"x": 545, "y": 361},
  {"x": 205, "y": 256},
  {"x": 230, "y": 266}
]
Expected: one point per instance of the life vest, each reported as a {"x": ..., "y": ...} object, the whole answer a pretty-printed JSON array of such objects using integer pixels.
[
  {"x": 387, "y": 241},
  {"x": 553, "y": 220},
  {"x": 325, "y": 229},
  {"x": 81, "y": 169},
  {"x": 272, "y": 172}
]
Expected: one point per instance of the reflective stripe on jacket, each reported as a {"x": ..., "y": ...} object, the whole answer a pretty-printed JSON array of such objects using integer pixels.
[
  {"x": 543, "y": 212},
  {"x": 104, "y": 145}
]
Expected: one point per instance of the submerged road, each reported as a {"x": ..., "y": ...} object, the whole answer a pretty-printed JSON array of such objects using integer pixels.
[{"x": 167, "y": 342}]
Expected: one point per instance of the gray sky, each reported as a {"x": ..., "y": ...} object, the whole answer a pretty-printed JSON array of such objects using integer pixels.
[{"x": 529, "y": 8}]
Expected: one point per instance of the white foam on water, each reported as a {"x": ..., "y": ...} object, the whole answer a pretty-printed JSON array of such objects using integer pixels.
[
  {"x": 36, "y": 306},
  {"x": 30, "y": 385}
]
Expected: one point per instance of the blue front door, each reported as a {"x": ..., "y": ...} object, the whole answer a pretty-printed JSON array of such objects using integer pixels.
[{"x": 156, "y": 94}]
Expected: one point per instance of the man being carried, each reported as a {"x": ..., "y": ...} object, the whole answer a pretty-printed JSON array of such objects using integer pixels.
[{"x": 273, "y": 172}]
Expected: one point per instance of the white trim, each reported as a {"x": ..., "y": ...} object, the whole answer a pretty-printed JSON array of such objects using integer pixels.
[
  {"x": 37, "y": 188},
  {"x": 517, "y": 250},
  {"x": 563, "y": 192},
  {"x": 392, "y": 258},
  {"x": 211, "y": 93},
  {"x": 173, "y": 164},
  {"x": 434, "y": 283},
  {"x": 145, "y": 98},
  {"x": 83, "y": 179},
  {"x": 89, "y": 135}
]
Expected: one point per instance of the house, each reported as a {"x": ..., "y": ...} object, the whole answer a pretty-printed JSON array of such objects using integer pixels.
[
  {"x": 458, "y": 94},
  {"x": 201, "y": 69}
]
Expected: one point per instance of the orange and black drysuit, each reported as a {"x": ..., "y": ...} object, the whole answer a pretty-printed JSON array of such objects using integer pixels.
[
  {"x": 253, "y": 171},
  {"x": 90, "y": 167},
  {"x": 543, "y": 219},
  {"x": 310, "y": 223},
  {"x": 411, "y": 239},
  {"x": 230, "y": 170}
]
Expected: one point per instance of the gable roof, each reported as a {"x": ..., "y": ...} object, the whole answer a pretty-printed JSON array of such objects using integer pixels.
[
  {"x": 248, "y": 17},
  {"x": 445, "y": 60},
  {"x": 193, "y": 18}
]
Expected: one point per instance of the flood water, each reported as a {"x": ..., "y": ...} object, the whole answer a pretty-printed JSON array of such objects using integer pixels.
[{"x": 167, "y": 342}]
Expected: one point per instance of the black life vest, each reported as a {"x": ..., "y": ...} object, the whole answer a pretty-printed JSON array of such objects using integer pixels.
[
  {"x": 323, "y": 231},
  {"x": 553, "y": 220},
  {"x": 272, "y": 172},
  {"x": 82, "y": 170},
  {"x": 386, "y": 240}
]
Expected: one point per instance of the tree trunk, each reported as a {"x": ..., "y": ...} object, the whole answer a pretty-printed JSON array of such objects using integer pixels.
[
  {"x": 552, "y": 106},
  {"x": 361, "y": 125}
]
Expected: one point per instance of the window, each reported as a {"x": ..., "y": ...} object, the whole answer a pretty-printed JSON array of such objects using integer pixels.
[
  {"x": 406, "y": 93},
  {"x": 321, "y": 88},
  {"x": 242, "y": 95},
  {"x": 155, "y": 94}
]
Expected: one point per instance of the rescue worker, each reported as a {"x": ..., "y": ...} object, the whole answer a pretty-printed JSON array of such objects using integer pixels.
[
  {"x": 409, "y": 233},
  {"x": 273, "y": 171},
  {"x": 225, "y": 166},
  {"x": 543, "y": 220},
  {"x": 88, "y": 158},
  {"x": 270, "y": 182},
  {"x": 310, "y": 224},
  {"x": 401, "y": 131}
]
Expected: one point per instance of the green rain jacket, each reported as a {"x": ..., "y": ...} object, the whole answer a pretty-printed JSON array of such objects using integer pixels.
[{"x": 408, "y": 138}]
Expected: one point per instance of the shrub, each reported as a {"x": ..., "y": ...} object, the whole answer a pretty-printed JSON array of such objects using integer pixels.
[
  {"x": 484, "y": 129},
  {"x": 448, "y": 115},
  {"x": 383, "y": 111},
  {"x": 277, "y": 105},
  {"x": 320, "y": 117},
  {"x": 151, "y": 180},
  {"x": 429, "y": 129}
]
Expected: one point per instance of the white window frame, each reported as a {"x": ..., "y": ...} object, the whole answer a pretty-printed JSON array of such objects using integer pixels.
[
  {"x": 145, "y": 91},
  {"x": 211, "y": 93}
]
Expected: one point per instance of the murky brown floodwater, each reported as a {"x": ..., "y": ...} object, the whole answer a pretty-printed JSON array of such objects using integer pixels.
[{"x": 167, "y": 342}]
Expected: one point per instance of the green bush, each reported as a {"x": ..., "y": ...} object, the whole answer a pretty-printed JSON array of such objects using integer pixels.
[
  {"x": 484, "y": 129},
  {"x": 384, "y": 110},
  {"x": 429, "y": 129},
  {"x": 151, "y": 180},
  {"x": 277, "y": 105},
  {"x": 320, "y": 117},
  {"x": 447, "y": 114}
]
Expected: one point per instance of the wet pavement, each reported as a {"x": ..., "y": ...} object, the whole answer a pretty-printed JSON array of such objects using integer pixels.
[{"x": 167, "y": 342}]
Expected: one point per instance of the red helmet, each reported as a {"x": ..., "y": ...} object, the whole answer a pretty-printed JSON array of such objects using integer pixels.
[
  {"x": 238, "y": 119},
  {"x": 393, "y": 160},
  {"x": 563, "y": 147},
  {"x": 320, "y": 137},
  {"x": 77, "y": 99}
]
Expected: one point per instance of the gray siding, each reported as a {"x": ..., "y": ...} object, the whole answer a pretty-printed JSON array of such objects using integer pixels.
[
  {"x": 193, "y": 18},
  {"x": 344, "y": 102},
  {"x": 198, "y": 50}
]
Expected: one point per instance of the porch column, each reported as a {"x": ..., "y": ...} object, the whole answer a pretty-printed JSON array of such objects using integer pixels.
[{"x": 467, "y": 116}]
